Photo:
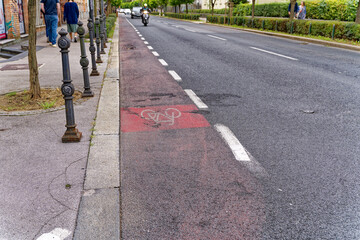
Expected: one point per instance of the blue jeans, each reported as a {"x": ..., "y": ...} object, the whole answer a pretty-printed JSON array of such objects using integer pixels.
[{"x": 51, "y": 22}]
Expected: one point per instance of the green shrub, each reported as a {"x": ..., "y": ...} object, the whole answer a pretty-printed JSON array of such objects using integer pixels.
[
  {"x": 110, "y": 24},
  {"x": 342, "y": 10},
  {"x": 183, "y": 16},
  {"x": 343, "y": 30}
]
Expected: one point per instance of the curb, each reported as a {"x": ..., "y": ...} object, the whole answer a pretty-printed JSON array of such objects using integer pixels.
[{"x": 99, "y": 210}]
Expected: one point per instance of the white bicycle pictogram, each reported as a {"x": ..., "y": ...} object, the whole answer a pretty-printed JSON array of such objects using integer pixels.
[{"x": 168, "y": 116}]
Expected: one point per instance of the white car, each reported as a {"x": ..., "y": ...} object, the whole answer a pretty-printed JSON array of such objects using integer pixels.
[{"x": 127, "y": 11}]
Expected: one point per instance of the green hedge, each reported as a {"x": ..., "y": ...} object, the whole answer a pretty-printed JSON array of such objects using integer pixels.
[
  {"x": 110, "y": 24},
  {"x": 342, "y": 10},
  {"x": 350, "y": 31},
  {"x": 183, "y": 16}
]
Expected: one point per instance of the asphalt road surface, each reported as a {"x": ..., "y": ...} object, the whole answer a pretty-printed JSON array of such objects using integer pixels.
[{"x": 294, "y": 107}]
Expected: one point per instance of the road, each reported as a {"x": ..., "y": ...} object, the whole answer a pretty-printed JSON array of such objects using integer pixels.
[{"x": 294, "y": 108}]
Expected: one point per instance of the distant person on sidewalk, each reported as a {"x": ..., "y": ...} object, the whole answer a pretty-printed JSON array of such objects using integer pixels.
[
  {"x": 42, "y": 15},
  {"x": 302, "y": 11},
  {"x": 51, "y": 8},
  {"x": 71, "y": 16},
  {"x": 296, "y": 9}
]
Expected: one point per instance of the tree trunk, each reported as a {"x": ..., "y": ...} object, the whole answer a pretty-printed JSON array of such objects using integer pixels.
[
  {"x": 292, "y": 8},
  {"x": 108, "y": 9},
  {"x": 187, "y": 10},
  {"x": 212, "y": 8},
  {"x": 179, "y": 8},
  {"x": 253, "y": 9},
  {"x": 358, "y": 15},
  {"x": 33, "y": 65}
]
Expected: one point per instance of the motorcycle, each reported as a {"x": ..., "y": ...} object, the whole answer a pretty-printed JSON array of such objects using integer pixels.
[{"x": 145, "y": 18}]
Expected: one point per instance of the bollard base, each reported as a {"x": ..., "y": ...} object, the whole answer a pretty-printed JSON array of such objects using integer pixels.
[
  {"x": 102, "y": 52},
  {"x": 94, "y": 73},
  {"x": 71, "y": 135},
  {"x": 99, "y": 60},
  {"x": 87, "y": 93}
]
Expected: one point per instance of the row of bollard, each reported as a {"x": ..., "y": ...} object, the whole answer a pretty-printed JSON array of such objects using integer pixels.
[{"x": 72, "y": 134}]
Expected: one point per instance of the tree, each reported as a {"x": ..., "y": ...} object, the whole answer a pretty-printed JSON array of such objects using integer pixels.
[
  {"x": 292, "y": 9},
  {"x": 175, "y": 3},
  {"x": 187, "y": 2},
  {"x": 212, "y": 4},
  {"x": 357, "y": 20},
  {"x": 163, "y": 4},
  {"x": 35, "y": 91},
  {"x": 253, "y": 9},
  {"x": 152, "y": 4}
]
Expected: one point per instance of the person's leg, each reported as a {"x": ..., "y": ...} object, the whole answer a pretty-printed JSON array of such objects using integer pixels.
[
  {"x": 47, "y": 26},
  {"x": 53, "y": 29}
]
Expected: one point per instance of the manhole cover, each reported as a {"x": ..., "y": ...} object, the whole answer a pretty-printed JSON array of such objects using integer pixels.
[
  {"x": 16, "y": 67},
  {"x": 128, "y": 47}
]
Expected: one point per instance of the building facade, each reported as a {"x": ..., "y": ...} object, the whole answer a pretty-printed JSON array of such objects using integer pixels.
[{"x": 14, "y": 18}]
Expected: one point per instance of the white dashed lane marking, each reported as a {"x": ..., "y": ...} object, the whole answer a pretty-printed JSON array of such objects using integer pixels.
[
  {"x": 200, "y": 104},
  {"x": 276, "y": 54},
  {"x": 162, "y": 61},
  {"x": 175, "y": 75}
]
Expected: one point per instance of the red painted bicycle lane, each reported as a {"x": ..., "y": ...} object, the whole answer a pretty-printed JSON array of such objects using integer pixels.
[{"x": 178, "y": 178}]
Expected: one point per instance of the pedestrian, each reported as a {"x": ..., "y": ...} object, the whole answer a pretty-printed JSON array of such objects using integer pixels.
[
  {"x": 42, "y": 15},
  {"x": 51, "y": 8},
  {"x": 71, "y": 16},
  {"x": 302, "y": 11},
  {"x": 296, "y": 8}
]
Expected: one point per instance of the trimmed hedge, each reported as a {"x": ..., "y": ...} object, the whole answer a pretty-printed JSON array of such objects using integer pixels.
[
  {"x": 110, "y": 24},
  {"x": 350, "y": 31},
  {"x": 342, "y": 10},
  {"x": 183, "y": 16}
]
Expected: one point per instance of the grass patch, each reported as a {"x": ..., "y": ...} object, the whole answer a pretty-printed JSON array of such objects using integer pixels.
[{"x": 21, "y": 101}]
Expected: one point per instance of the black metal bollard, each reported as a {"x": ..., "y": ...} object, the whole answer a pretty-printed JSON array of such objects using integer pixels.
[
  {"x": 104, "y": 22},
  {"x": 84, "y": 62},
  {"x": 97, "y": 27},
  {"x": 67, "y": 89},
  {"x": 90, "y": 25},
  {"x": 102, "y": 35}
]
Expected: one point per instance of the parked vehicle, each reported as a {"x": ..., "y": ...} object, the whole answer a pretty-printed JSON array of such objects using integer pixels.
[
  {"x": 136, "y": 12},
  {"x": 127, "y": 11}
]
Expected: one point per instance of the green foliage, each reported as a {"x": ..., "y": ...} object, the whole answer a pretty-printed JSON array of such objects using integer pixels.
[
  {"x": 183, "y": 16},
  {"x": 47, "y": 105},
  {"x": 116, "y": 3},
  {"x": 110, "y": 25},
  {"x": 343, "y": 30},
  {"x": 343, "y": 10},
  {"x": 10, "y": 94},
  {"x": 130, "y": 5}
]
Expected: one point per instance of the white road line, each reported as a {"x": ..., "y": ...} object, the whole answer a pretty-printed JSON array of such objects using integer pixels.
[
  {"x": 143, "y": 39},
  {"x": 276, "y": 54},
  {"x": 189, "y": 30},
  {"x": 162, "y": 61},
  {"x": 175, "y": 75},
  {"x": 150, "y": 47},
  {"x": 140, "y": 35},
  {"x": 217, "y": 37},
  {"x": 146, "y": 42},
  {"x": 200, "y": 104},
  {"x": 155, "y": 54},
  {"x": 234, "y": 144}
]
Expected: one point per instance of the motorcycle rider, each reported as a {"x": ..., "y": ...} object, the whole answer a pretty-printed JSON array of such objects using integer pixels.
[{"x": 144, "y": 8}]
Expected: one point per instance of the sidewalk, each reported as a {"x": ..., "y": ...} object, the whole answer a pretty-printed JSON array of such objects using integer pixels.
[{"x": 42, "y": 179}]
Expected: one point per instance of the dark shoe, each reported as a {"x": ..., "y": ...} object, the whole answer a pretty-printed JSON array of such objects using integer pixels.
[{"x": 75, "y": 39}]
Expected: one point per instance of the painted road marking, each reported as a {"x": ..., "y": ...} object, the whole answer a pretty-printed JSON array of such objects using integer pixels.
[
  {"x": 200, "y": 104},
  {"x": 190, "y": 30},
  {"x": 175, "y": 75},
  {"x": 143, "y": 39},
  {"x": 217, "y": 37},
  {"x": 155, "y": 54},
  {"x": 162, "y": 61},
  {"x": 276, "y": 54},
  {"x": 155, "y": 118},
  {"x": 146, "y": 42},
  {"x": 57, "y": 234},
  {"x": 234, "y": 144},
  {"x": 168, "y": 116},
  {"x": 150, "y": 47},
  {"x": 140, "y": 35}
]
